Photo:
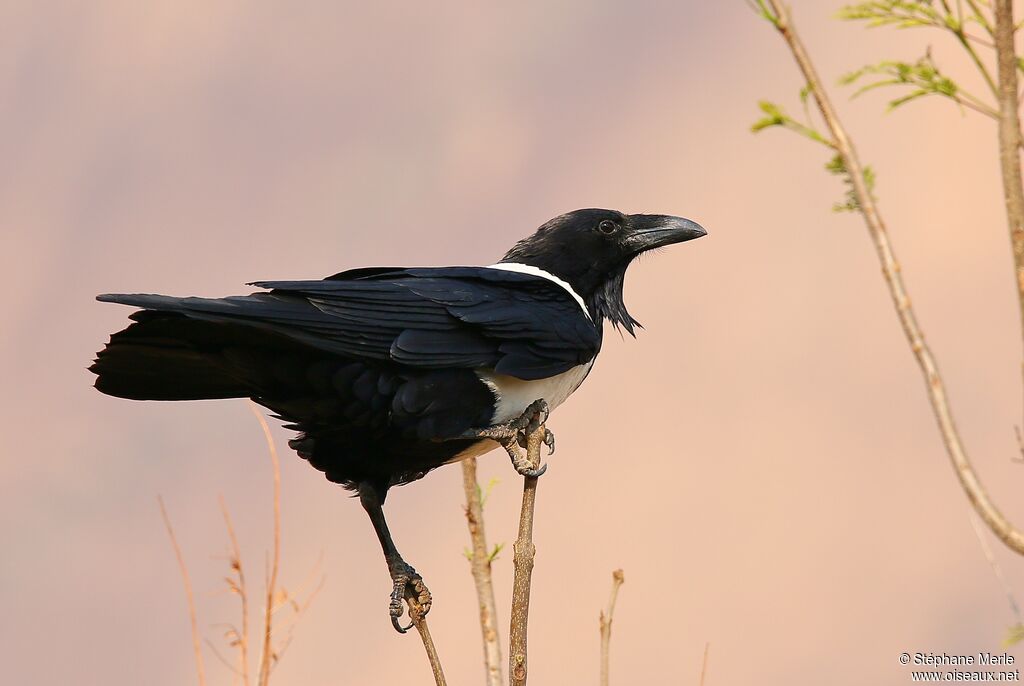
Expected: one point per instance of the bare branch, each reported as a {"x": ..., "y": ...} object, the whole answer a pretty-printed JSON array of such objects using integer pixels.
[
  {"x": 704, "y": 664},
  {"x": 480, "y": 564},
  {"x": 420, "y": 622},
  {"x": 606, "y": 624},
  {"x": 267, "y": 652},
  {"x": 523, "y": 565},
  {"x": 972, "y": 486},
  {"x": 196, "y": 647},
  {"x": 300, "y": 610},
  {"x": 1010, "y": 138},
  {"x": 223, "y": 660}
]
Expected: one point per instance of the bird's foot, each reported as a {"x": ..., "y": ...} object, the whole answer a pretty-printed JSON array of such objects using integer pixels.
[
  {"x": 408, "y": 587},
  {"x": 514, "y": 434}
]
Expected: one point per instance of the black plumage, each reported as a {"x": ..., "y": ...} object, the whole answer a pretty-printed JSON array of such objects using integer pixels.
[{"x": 388, "y": 372}]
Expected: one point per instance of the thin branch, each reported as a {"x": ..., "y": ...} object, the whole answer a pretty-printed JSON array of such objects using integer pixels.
[
  {"x": 980, "y": 16},
  {"x": 267, "y": 652},
  {"x": 704, "y": 664},
  {"x": 223, "y": 660},
  {"x": 605, "y": 620},
  {"x": 1010, "y": 139},
  {"x": 480, "y": 564},
  {"x": 236, "y": 567},
  {"x": 420, "y": 622},
  {"x": 961, "y": 35},
  {"x": 972, "y": 486},
  {"x": 523, "y": 557},
  {"x": 196, "y": 647},
  {"x": 300, "y": 610},
  {"x": 997, "y": 570}
]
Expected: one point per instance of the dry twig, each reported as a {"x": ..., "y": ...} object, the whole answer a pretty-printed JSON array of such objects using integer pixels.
[
  {"x": 480, "y": 564},
  {"x": 524, "y": 552},
  {"x": 196, "y": 647},
  {"x": 237, "y": 585},
  {"x": 606, "y": 624},
  {"x": 972, "y": 486},
  {"x": 267, "y": 655},
  {"x": 704, "y": 664}
]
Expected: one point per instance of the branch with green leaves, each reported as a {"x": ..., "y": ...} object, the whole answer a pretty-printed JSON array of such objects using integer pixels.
[
  {"x": 923, "y": 77},
  {"x": 956, "y": 21},
  {"x": 859, "y": 182},
  {"x": 775, "y": 116}
]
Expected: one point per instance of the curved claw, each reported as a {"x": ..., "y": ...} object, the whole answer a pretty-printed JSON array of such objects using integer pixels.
[
  {"x": 534, "y": 473},
  {"x": 549, "y": 441},
  {"x": 418, "y": 598}
]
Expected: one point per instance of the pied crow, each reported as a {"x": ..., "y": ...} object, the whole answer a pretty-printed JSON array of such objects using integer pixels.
[{"x": 389, "y": 372}]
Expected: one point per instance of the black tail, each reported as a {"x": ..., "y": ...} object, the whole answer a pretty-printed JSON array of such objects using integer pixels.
[{"x": 168, "y": 356}]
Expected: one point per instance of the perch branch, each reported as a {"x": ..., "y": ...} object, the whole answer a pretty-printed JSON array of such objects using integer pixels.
[
  {"x": 420, "y": 622},
  {"x": 523, "y": 565},
  {"x": 480, "y": 564},
  {"x": 976, "y": 493},
  {"x": 196, "y": 646},
  {"x": 606, "y": 624}
]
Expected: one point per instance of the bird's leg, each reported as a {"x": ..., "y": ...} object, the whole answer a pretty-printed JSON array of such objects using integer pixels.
[
  {"x": 512, "y": 435},
  {"x": 408, "y": 585}
]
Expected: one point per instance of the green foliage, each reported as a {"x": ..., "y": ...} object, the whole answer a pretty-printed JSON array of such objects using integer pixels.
[
  {"x": 774, "y": 115},
  {"x": 485, "y": 493},
  {"x": 908, "y": 14},
  {"x": 1014, "y": 636},
  {"x": 923, "y": 77},
  {"x": 898, "y": 13},
  {"x": 764, "y": 12},
  {"x": 491, "y": 556},
  {"x": 837, "y": 167}
]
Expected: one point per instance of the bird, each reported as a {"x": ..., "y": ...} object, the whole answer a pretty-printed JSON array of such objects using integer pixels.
[{"x": 387, "y": 373}]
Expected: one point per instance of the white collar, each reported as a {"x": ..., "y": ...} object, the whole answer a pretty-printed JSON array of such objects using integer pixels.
[{"x": 537, "y": 271}]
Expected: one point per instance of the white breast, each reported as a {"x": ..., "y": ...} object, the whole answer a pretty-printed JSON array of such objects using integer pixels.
[{"x": 512, "y": 396}]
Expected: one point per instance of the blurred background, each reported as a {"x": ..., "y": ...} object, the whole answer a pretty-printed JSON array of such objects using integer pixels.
[{"x": 761, "y": 461}]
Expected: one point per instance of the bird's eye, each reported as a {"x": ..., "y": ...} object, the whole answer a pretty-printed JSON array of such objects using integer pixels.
[{"x": 607, "y": 226}]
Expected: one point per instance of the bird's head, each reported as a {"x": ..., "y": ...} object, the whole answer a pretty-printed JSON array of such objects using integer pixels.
[{"x": 590, "y": 250}]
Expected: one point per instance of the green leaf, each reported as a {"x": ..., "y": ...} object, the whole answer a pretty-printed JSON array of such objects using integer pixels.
[
  {"x": 899, "y": 13},
  {"x": 762, "y": 10},
  {"x": 498, "y": 547},
  {"x": 1014, "y": 635},
  {"x": 775, "y": 116},
  {"x": 923, "y": 77},
  {"x": 850, "y": 203}
]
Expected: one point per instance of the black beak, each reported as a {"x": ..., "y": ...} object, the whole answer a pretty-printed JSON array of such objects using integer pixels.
[{"x": 656, "y": 230}]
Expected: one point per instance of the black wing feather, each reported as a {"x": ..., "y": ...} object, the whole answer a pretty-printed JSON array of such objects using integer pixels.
[{"x": 431, "y": 318}]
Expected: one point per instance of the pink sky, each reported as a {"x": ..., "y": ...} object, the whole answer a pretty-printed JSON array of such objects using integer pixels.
[{"x": 761, "y": 460}]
